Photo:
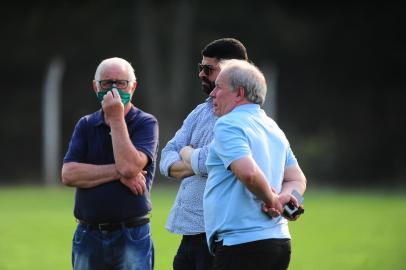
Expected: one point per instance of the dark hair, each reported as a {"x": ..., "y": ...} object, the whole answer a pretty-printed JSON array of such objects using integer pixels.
[{"x": 225, "y": 48}]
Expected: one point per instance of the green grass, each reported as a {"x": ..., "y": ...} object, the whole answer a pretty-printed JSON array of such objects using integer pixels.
[{"x": 36, "y": 227}]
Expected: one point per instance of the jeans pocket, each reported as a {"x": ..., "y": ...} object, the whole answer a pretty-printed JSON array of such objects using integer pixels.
[
  {"x": 79, "y": 235},
  {"x": 138, "y": 234}
]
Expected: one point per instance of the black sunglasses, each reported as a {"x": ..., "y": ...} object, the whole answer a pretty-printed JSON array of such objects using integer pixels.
[{"x": 207, "y": 69}]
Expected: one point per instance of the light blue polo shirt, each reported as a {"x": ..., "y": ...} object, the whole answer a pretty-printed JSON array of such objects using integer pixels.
[{"x": 231, "y": 212}]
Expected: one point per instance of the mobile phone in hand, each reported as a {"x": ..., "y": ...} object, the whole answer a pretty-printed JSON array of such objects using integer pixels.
[{"x": 290, "y": 210}]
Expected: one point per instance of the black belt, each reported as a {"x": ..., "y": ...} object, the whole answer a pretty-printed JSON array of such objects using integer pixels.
[
  {"x": 195, "y": 236},
  {"x": 112, "y": 226}
]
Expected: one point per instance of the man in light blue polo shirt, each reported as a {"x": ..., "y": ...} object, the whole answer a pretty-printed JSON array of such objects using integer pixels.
[
  {"x": 251, "y": 174},
  {"x": 184, "y": 158}
]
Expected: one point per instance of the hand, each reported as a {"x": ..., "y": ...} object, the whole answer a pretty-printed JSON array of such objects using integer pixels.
[
  {"x": 285, "y": 198},
  {"x": 270, "y": 211},
  {"x": 137, "y": 184},
  {"x": 275, "y": 208},
  {"x": 186, "y": 154},
  {"x": 180, "y": 170},
  {"x": 112, "y": 106}
]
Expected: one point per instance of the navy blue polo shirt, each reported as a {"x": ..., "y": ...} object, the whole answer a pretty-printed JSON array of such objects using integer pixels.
[{"x": 91, "y": 143}]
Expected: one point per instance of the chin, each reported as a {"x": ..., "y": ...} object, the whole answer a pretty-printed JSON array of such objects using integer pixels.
[{"x": 206, "y": 90}]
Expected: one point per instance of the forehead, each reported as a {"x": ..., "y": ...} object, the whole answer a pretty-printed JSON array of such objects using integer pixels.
[
  {"x": 222, "y": 78},
  {"x": 209, "y": 61},
  {"x": 114, "y": 71}
]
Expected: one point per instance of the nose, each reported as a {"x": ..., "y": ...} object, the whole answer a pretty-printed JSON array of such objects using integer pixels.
[{"x": 202, "y": 74}]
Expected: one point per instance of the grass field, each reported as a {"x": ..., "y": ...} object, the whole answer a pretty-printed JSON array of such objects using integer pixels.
[{"x": 340, "y": 230}]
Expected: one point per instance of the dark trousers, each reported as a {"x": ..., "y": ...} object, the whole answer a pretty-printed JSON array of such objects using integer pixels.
[
  {"x": 269, "y": 254},
  {"x": 193, "y": 254}
]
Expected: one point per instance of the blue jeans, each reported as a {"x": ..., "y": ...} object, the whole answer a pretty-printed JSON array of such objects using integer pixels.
[{"x": 123, "y": 249}]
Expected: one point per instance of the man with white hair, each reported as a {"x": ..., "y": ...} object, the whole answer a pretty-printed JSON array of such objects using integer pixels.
[
  {"x": 252, "y": 172},
  {"x": 111, "y": 162},
  {"x": 184, "y": 158}
]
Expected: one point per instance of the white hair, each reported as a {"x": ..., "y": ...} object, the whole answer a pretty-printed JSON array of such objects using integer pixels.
[
  {"x": 244, "y": 74},
  {"x": 115, "y": 61}
]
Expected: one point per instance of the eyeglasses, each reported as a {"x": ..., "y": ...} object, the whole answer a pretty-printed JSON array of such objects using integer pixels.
[
  {"x": 106, "y": 84},
  {"x": 207, "y": 69}
]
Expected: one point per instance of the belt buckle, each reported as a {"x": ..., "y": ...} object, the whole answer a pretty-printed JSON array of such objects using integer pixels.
[{"x": 100, "y": 226}]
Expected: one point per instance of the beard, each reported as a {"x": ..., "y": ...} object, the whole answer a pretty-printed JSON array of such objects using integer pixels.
[{"x": 207, "y": 86}]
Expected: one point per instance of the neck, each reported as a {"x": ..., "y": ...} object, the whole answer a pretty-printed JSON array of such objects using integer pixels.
[
  {"x": 242, "y": 102},
  {"x": 127, "y": 108}
]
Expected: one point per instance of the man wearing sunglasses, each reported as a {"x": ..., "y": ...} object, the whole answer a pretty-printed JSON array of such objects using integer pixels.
[
  {"x": 111, "y": 162},
  {"x": 184, "y": 158}
]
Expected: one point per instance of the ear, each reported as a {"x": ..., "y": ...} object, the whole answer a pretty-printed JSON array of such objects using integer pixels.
[
  {"x": 240, "y": 93},
  {"x": 133, "y": 87},
  {"x": 95, "y": 86}
]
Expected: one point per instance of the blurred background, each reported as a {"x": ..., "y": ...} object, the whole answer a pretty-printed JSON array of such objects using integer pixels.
[{"x": 335, "y": 72}]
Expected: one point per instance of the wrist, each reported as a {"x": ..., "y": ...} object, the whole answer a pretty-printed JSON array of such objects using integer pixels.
[{"x": 117, "y": 122}]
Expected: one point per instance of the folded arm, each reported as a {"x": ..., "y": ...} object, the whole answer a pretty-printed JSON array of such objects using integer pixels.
[
  {"x": 84, "y": 175},
  {"x": 172, "y": 164},
  {"x": 129, "y": 161}
]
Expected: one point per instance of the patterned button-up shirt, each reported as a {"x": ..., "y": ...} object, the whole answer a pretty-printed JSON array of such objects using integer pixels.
[{"x": 186, "y": 216}]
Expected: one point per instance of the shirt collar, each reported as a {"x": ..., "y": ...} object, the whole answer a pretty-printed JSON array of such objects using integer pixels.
[{"x": 247, "y": 107}]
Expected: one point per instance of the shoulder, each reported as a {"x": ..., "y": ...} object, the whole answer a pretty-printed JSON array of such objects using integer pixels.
[
  {"x": 92, "y": 119},
  {"x": 202, "y": 113},
  {"x": 225, "y": 126},
  {"x": 231, "y": 119},
  {"x": 137, "y": 115},
  {"x": 201, "y": 108},
  {"x": 207, "y": 105}
]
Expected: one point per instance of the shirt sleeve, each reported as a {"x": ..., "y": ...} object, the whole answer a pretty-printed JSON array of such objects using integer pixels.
[
  {"x": 170, "y": 153},
  {"x": 78, "y": 144},
  {"x": 199, "y": 157},
  {"x": 145, "y": 137},
  {"x": 290, "y": 158}
]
